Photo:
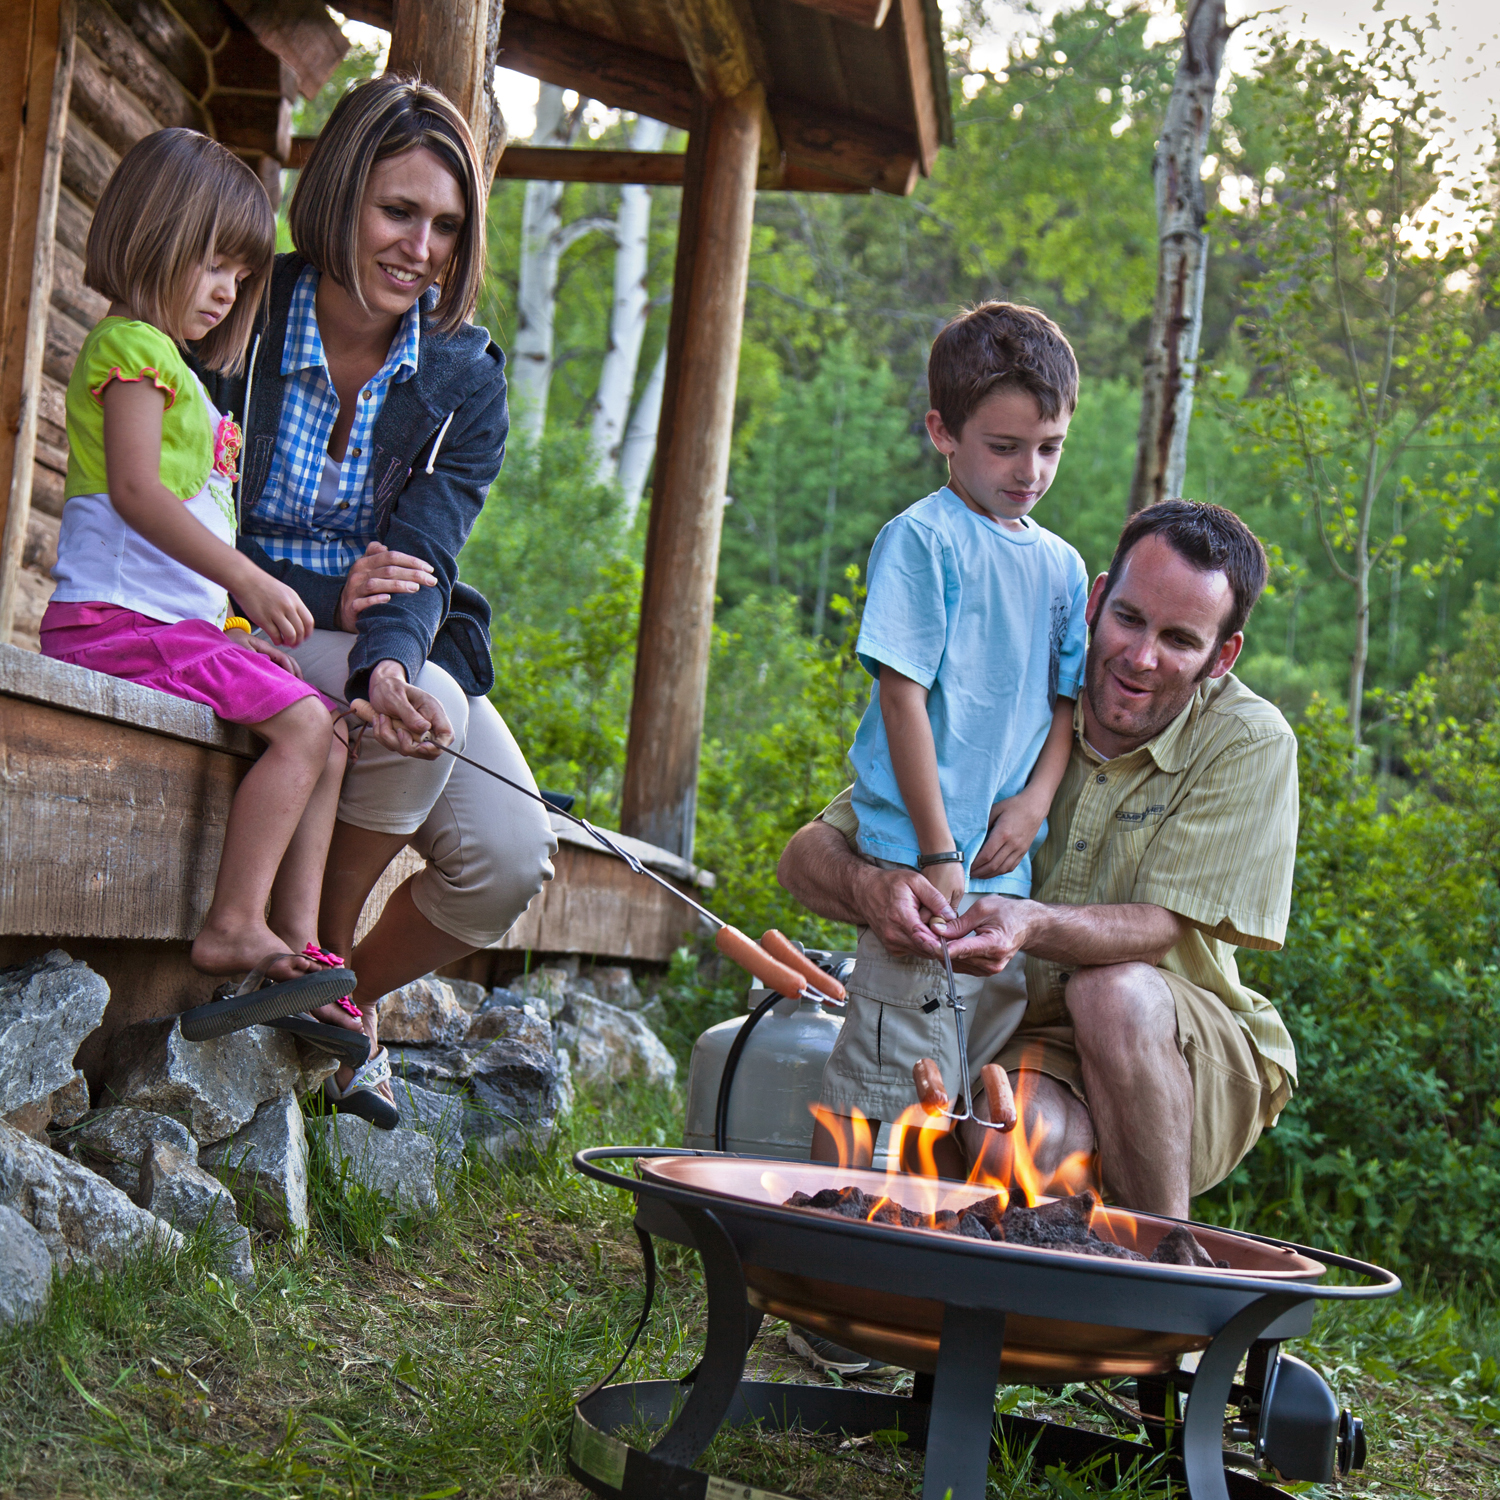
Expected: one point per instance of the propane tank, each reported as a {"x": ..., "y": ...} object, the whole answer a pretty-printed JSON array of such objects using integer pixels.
[{"x": 777, "y": 1081}]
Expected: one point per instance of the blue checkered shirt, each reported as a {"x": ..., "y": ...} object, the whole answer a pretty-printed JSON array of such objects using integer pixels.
[{"x": 287, "y": 520}]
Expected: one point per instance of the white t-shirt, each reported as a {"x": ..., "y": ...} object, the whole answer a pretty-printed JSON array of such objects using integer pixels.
[{"x": 101, "y": 560}]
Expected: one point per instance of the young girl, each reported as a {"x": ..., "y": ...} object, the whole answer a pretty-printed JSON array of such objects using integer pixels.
[{"x": 181, "y": 244}]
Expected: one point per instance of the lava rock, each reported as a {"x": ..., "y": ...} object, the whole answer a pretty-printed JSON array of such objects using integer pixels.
[
  {"x": 215, "y": 1086},
  {"x": 1178, "y": 1247},
  {"x": 425, "y": 1012},
  {"x": 440, "y": 1117},
  {"x": 25, "y": 1271},
  {"x": 265, "y": 1166},
  {"x": 605, "y": 1042},
  {"x": 180, "y": 1193},
  {"x": 83, "y": 1219},
  {"x": 70, "y": 1103},
  {"x": 1065, "y": 1221},
  {"x": 114, "y": 1142},
  {"x": 47, "y": 1008},
  {"x": 400, "y": 1165}
]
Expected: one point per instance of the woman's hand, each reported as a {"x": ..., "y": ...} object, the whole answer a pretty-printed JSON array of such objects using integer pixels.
[
  {"x": 255, "y": 643},
  {"x": 378, "y": 575},
  {"x": 404, "y": 718}
]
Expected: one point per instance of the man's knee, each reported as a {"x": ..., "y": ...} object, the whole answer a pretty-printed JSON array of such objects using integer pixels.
[{"x": 1118, "y": 1003}]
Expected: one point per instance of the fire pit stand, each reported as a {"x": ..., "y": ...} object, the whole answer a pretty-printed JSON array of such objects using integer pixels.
[{"x": 745, "y": 1245}]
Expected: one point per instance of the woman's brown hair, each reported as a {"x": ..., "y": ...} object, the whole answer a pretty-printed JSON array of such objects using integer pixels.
[
  {"x": 177, "y": 199},
  {"x": 383, "y": 118}
]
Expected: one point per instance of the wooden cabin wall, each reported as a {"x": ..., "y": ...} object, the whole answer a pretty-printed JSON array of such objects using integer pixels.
[{"x": 139, "y": 66}]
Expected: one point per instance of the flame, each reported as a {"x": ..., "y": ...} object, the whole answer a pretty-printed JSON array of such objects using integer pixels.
[
  {"x": 1077, "y": 1171},
  {"x": 851, "y": 1133}
]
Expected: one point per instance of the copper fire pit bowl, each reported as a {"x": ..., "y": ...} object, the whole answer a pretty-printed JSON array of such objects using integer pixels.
[{"x": 905, "y": 1330}]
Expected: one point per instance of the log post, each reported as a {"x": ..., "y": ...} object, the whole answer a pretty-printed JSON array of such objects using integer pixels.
[
  {"x": 692, "y": 464},
  {"x": 37, "y": 74},
  {"x": 451, "y": 44},
  {"x": 1171, "y": 360}
]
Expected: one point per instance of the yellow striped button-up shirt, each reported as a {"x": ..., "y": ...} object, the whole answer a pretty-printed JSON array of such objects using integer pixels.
[{"x": 1201, "y": 820}]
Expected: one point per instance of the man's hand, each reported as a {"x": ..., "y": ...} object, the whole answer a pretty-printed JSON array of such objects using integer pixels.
[
  {"x": 405, "y": 719},
  {"x": 987, "y": 936},
  {"x": 1013, "y": 826},
  {"x": 899, "y": 907},
  {"x": 378, "y": 575},
  {"x": 259, "y": 644}
]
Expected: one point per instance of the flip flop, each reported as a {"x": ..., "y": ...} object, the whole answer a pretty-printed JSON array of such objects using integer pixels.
[
  {"x": 361, "y": 1098},
  {"x": 350, "y": 1047},
  {"x": 253, "y": 1001}
]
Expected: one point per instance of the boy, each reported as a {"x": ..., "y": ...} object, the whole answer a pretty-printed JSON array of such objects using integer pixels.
[{"x": 974, "y": 633}]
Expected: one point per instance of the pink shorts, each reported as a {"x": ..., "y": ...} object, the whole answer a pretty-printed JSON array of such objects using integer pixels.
[{"x": 192, "y": 659}]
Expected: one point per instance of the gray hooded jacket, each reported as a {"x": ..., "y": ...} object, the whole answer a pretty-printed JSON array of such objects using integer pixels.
[{"x": 439, "y": 443}]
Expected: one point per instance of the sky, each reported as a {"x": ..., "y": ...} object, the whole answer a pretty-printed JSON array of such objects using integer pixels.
[{"x": 1468, "y": 74}]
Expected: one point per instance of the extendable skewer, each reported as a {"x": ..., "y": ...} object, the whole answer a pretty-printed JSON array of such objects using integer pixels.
[
  {"x": 784, "y": 968},
  {"x": 933, "y": 1095}
]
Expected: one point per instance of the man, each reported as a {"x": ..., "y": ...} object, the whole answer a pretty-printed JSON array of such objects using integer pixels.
[{"x": 1170, "y": 842}]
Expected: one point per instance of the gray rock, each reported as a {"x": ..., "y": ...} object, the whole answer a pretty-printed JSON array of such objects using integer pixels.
[
  {"x": 400, "y": 1165},
  {"x": 547, "y": 987},
  {"x": 47, "y": 1007},
  {"x": 83, "y": 1219},
  {"x": 493, "y": 1016},
  {"x": 605, "y": 1042},
  {"x": 265, "y": 1167},
  {"x": 70, "y": 1103},
  {"x": 113, "y": 1142},
  {"x": 425, "y": 1012},
  {"x": 468, "y": 994},
  {"x": 440, "y": 1117},
  {"x": 316, "y": 1065},
  {"x": 180, "y": 1193},
  {"x": 616, "y": 986},
  {"x": 564, "y": 1081},
  {"x": 216, "y": 1087},
  {"x": 25, "y": 1271},
  {"x": 516, "y": 1087},
  {"x": 444, "y": 1070}
]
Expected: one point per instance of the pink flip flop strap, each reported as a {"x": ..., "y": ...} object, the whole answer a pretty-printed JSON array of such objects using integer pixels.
[{"x": 333, "y": 961}]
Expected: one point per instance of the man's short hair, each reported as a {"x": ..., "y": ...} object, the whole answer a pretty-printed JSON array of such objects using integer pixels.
[
  {"x": 1212, "y": 539},
  {"x": 1000, "y": 346}
]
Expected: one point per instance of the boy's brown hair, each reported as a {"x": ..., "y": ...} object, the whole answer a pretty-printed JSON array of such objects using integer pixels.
[
  {"x": 176, "y": 199},
  {"x": 381, "y": 118},
  {"x": 1000, "y": 346}
]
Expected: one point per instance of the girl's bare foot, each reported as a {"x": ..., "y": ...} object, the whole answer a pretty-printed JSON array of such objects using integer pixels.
[{"x": 223, "y": 950}]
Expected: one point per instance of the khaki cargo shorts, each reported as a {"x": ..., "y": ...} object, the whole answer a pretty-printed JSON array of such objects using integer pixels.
[
  {"x": 886, "y": 1030},
  {"x": 1229, "y": 1095}
]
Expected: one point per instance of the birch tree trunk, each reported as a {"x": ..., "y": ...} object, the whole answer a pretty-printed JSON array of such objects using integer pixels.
[
  {"x": 639, "y": 447},
  {"x": 627, "y": 318},
  {"x": 1182, "y": 260},
  {"x": 542, "y": 246}
]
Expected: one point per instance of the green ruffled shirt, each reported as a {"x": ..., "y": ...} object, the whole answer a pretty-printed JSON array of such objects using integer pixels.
[{"x": 123, "y": 349}]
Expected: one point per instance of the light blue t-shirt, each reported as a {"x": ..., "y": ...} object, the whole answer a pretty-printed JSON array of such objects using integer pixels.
[{"x": 990, "y": 622}]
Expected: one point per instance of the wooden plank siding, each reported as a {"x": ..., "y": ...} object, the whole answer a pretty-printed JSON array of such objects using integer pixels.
[{"x": 137, "y": 66}]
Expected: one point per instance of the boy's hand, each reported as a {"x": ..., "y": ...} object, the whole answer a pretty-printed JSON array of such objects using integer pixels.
[
  {"x": 277, "y": 609},
  {"x": 1013, "y": 826},
  {"x": 949, "y": 880}
]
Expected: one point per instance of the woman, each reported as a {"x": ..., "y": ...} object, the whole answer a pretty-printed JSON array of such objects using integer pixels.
[{"x": 375, "y": 423}]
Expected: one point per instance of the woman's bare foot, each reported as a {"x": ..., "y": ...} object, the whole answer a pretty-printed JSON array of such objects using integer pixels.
[{"x": 223, "y": 950}]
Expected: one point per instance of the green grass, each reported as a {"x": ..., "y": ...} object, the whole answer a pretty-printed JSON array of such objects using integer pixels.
[{"x": 398, "y": 1357}]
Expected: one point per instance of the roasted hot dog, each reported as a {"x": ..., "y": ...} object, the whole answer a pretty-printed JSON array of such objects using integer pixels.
[
  {"x": 997, "y": 1092},
  {"x": 931, "y": 1094}
]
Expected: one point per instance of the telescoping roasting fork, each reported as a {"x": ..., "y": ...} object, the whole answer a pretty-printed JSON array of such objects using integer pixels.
[{"x": 777, "y": 962}]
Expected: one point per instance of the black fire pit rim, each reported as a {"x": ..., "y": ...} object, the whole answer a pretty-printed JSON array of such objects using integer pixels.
[{"x": 1386, "y": 1283}]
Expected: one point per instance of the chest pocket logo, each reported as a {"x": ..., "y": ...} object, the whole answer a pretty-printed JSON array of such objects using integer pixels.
[{"x": 1146, "y": 817}]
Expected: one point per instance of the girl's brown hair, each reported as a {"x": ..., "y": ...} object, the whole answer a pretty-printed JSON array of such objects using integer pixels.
[
  {"x": 383, "y": 118},
  {"x": 177, "y": 199}
]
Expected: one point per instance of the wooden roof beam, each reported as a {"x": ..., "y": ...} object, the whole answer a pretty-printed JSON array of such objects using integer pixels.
[
  {"x": 299, "y": 32},
  {"x": 726, "y": 60}
]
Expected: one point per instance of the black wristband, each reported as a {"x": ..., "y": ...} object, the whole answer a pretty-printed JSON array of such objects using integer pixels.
[{"x": 948, "y": 857}]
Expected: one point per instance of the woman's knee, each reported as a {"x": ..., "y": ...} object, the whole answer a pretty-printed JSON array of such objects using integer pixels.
[
  {"x": 480, "y": 896},
  {"x": 433, "y": 679}
]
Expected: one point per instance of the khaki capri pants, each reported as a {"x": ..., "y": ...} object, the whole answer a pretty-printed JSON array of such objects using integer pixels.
[{"x": 488, "y": 849}]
